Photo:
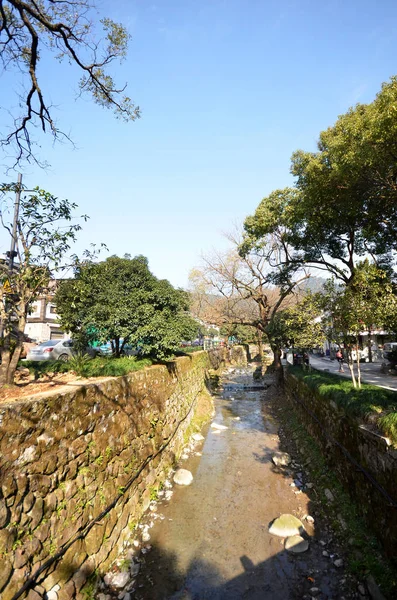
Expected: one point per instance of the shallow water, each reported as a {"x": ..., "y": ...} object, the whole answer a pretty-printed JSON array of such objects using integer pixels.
[{"x": 213, "y": 542}]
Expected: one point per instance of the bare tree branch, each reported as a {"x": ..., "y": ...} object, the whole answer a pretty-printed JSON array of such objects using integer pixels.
[{"x": 30, "y": 30}]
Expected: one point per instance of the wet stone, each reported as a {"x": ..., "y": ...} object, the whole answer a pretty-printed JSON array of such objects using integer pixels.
[
  {"x": 281, "y": 459},
  {"x": 338, "y": 563},
  {"x": 296, "y": 544},
  {"x": 183, "y": 477},
  {"x": 315, "y": 591},
  {"x": 117, "y": 580},
  {"x": 286, "y": 526},
  {"x": 218, "y": 426}
]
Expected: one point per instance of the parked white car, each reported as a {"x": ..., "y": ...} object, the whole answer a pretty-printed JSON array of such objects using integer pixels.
[{"x": 52, "y": 350}]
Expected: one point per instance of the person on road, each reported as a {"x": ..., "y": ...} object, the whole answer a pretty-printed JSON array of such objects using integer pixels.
[{"x": 339, "y": 358}]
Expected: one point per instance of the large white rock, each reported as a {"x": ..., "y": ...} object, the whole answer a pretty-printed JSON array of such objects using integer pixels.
[
  {"x": 197, "y": 437},
  {"x": 218, "y": 426},
  {"x": 281, "y": 459},
  {"x": 183, "y": 477},
  {"x": 117, "y": 580},
  {"x": 296, "y": 544},
  {"x": 286, "y": 526}
]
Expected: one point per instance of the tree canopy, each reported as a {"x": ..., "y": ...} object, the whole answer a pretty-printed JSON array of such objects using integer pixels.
[
  {"x": 45, "y": 232},
  {"x": 121, "y": 301},
  {"x": 64, "y": 31},
  {"x": 343, "y": 204}
]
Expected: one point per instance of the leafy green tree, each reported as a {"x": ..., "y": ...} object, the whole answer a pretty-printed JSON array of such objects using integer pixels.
[
  {"x": 121, "y": 301},
  {"x": 368, "y": 302},
  {"x": 299, "y": 325},
  {"x": 342, "y": 207},
  {"x": 65, "y": 31},
  {"x": 244, "y": 334},
  {"x": 44, "y": 236}
]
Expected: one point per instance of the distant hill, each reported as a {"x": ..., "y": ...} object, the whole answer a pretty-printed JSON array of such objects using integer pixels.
[{"x": 314, "y": 284}]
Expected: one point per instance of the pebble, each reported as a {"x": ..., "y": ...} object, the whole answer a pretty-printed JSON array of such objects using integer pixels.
[
  {"x": 361, "y": 590},
  {"x": 309, "y": 519},
  {"x": 329, "y": 495},
  {"x": 309, "y": 485},
  {"x": 338, "y": 563},
  {"x": 315, "y": 591},
  {"x": 197, "y": 437},
  {"x": 325, "y": 553}
]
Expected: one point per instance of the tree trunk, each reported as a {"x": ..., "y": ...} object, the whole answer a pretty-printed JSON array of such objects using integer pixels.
[
  {"x": 370, "y": 358},
  {"x": 12, "y": 367},
  {"x": 358, "y": 366},
  {"x": 9, "y": 360},
  {"x": 5, "y": 363},
  {"x": 260, "y": 344},
  {"x": 277, "y": 366},
  {"x": 351, "y": 366}
]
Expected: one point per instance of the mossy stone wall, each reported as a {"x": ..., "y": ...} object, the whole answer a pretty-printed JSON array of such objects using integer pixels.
[
  {"x": 78, "y": 467},
  {"x": 365, "y": 461}
]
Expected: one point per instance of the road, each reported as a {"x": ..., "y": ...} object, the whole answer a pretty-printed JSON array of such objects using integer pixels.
[{"x": 370, "y": 372}]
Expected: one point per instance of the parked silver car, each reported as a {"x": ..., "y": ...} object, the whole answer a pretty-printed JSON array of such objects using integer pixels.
[{"x": 52, "y": 350}]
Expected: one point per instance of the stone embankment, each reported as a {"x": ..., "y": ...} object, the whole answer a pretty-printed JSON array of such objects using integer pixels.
[
  {"x": 78, "y": 470},
  {"x": 365, "y": 461}
]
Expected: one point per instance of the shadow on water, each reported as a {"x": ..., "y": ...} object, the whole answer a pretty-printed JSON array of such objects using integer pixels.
[{"x": 281, "y": 577}]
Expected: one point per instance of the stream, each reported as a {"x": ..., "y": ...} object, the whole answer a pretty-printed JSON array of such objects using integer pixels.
[{"x": 210, "y": 540}]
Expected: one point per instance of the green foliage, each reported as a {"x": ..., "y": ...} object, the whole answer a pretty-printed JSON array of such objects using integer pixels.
[
  {"x": 45, "y": 232},
  {"x": 368, "y": 401},
  {"x": 243, "y": 333},
  {"x": 343, "y": 204},
  {"x": 40, "y": 368},
  {"x": 79, "y": 363},
  {"x": 96, "y": 367},
  {"x": 368, "y": 302},
  {"x": 122, "y": 301},
  {"x": 298, "y": 325},
  {"x": 115, "y": 367}
]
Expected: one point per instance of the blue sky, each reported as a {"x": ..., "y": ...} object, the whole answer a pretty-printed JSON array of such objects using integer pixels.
[{"x": 228, "y": 90}]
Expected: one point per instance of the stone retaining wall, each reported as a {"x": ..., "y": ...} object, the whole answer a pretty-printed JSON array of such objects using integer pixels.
[
  {"x": 78, "y": 469},
  {"x": 365, "y": 460}
]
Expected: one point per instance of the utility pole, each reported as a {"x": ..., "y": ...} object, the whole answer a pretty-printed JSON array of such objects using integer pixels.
[{"x": 14, "y": 225}]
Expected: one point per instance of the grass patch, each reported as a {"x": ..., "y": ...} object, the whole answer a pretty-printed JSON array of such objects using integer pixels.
[
  {"x": 368, "y": 401},
  {"x": 364, "y": 556},
  {"x": 188, "y": 350},
  {"x": 96, "y": 367}
]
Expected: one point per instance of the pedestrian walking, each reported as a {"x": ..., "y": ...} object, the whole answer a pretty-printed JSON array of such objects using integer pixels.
[{"x": 339, "y": 358}]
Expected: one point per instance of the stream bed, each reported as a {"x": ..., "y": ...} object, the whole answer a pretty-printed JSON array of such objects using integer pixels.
[{"x": 210, "y": 540}]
